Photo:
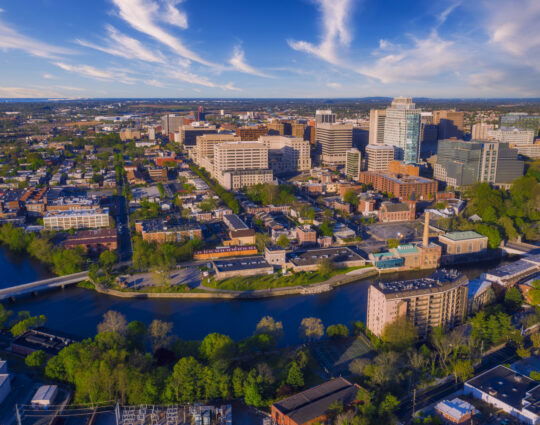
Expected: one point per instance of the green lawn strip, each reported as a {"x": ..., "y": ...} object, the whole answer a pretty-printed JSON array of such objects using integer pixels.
[{"x": 251, "y": 283}]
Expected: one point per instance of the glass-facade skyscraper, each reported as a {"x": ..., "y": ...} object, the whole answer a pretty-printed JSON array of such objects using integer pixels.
[{"x": 402, "y": 129}]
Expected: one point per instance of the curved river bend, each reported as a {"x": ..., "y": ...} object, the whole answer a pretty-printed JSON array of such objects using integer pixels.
[{"x": 78, "y": 311}]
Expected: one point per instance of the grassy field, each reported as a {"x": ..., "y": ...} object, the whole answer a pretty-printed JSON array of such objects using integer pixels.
[{"x": 251, "y": 283}]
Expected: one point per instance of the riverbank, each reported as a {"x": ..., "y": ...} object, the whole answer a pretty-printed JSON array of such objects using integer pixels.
[{"x": 213, "y": 293}]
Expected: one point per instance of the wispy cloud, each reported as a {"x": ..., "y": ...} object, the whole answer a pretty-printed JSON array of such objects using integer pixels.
[
  {"x": 10, "y": 38},
  {"x": 238, "y": 61},
  {"x": 191, "y": 78},
  {"x": 119, "y": 44},
  {"x": 426, "y": 58},
  {"x": 334, "y": 85},
  {"x": 336, "y": 33},
  {"x": 146, "y": 16},
  {"x": 99, "y": 74},
  {"x": 154, "y": 83},
  {"x": 513, "y": 26},
  {"x": 26, "y": 92},
  {"x": 48, "y": 76}
]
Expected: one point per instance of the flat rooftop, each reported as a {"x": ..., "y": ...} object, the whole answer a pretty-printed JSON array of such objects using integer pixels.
[
  {"x": 247, "y": 263},
  {"x": 505, "y": 385},
  {"x": 437, "y": 281},
  {"x": 235, "y": 222},
  {"x": 463, "y": 236},
  {"x": 313, "y": 256},
  {"x": 512, "y": 269}
]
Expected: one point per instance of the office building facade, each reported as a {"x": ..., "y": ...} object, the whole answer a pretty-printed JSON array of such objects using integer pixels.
[
  {"x": 479, "y": 131},
  {"x": 353, "y": 163},
  {"x": 287, "y": 154},
  {"x": 402, "y": 129},
  {"x": 334, "y": 140},
  {"x": 512, "y": 135},
  {"x": 449, "y": 123},
  {"x": 325, "y": 117},
  {"x": 77, "y": 219},
  {"x": 378, "y": 157},
  {"x": 171, "y": 123},
  {"x": 376, "y": 126}
]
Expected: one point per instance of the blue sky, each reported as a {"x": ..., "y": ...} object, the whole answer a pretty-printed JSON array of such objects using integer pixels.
[{"x": 263, "y": 48}]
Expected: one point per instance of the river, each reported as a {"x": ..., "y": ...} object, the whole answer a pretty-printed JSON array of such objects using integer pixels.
[{"x": 78, "y": 311}]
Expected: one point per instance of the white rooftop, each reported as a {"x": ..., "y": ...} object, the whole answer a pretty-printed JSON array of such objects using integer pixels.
[{"x": 455, "y": 408}]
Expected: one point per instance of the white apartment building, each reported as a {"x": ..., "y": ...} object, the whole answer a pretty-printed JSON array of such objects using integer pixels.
[
  {"x": 334, "y": 141},
  {"x": 378, "y": 157},
  {"x": 479, "y": 131},
  {"x": 512, "y": 135},
  {"x": 77, "y": 219},
  {"x": 376, "y": 126},
  {"x": 203, "y": 153},
  {"x": 287, "y": 153}
]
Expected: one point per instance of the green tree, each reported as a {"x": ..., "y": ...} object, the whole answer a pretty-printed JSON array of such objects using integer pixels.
[
  {"x": 68, "y": 261},
  {"x": 107, "y": 259},
  {"x": 252, "y": 395},
  {"x": 267, "y": 325},
  {"x": 326, "y": 266},
  {"x": 352, "y": 198},
  {"x": 513, "y": 300},
  {"x": 216, "y": 346},
  {"x": 295, "y": 377},
  {"x": 400, "y": 334},
  {"x": 31, "y": 322},
  {"x": 4, "y": 316},
  {"x": 326, "y": 228},
  {"x": 238, "y": 379},
  {"x": 462, "y": 370},
  {"x": 41, "y": 249},
  {"x": 392, "y": 243},
  {"x": 283, "y": 241},
  {"x": 185, "y": 383},
  {"x": 311, "y": 328},
  {"x": 337, "y": 331},
  {"x": 534, "y": 293},
  {"x": 36, "y": 359}
]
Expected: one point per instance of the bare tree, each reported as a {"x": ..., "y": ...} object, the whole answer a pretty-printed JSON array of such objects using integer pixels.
[
  {"x": 113, "y": 322},
  {"x": 311, "y": 328},
  {"x": 159, "y": 333},
  {"x": 269, "y": 326}
]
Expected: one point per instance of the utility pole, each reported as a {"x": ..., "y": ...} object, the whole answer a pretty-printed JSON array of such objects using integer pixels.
[{"x": 413, "y": 402}]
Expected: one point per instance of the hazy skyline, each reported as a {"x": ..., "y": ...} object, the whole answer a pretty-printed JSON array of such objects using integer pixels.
[{"x": 295, "y": 48}]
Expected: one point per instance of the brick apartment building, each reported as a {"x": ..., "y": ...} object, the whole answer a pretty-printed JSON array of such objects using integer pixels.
[{"x": 402, "y": 187}]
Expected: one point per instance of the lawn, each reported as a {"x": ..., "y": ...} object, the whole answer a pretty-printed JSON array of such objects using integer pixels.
[{"x": 251, "y": 283}]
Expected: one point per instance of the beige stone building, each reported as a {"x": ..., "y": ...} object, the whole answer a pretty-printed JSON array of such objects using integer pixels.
[
  {"x": 439, "y": 300},
  {"x": 334, "y": 141},
  {"x": 376, "y": 126},
  {"x": 378, "y": 157},
  {"x": 287, "y": 154},
  {"x": 467, "y": 242},
  {"x": 203, "y": 153}
]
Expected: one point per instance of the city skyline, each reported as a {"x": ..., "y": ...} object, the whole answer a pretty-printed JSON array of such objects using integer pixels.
[{"x": 319, "y": 48}]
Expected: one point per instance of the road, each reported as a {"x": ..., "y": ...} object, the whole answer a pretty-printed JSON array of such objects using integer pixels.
[
  {"x": 125, "y": 249},
  {"x": 42, "y": 285}
]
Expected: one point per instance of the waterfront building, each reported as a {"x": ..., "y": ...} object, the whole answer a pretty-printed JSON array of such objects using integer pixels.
[
  {"x": 77, "y": 219},
  {"x": 334, "y": 140},
  {"x": 438, "y": 300},
  {"x": 402, "y": 129},
  {"x": 378, "y": 157},
  {"x": 248, "y": 266},
  {"x": 93, "y": 241},
  {"x": 467, "y": 242},
  {"x": 225, "y": 251},
  {"x": 376, "y": 126},
  {"x": 353, "y": 163}
]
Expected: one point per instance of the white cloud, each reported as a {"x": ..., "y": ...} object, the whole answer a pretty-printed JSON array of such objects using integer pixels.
[
  {"x": 191, "y": 78},
  {"x": 27, "y": 92},
  {"x": 154, "y": 83},
  {"x": 12, "y": 39},
  {"x": 173, "y": 16},
  {"x": 335, "y": 15},
  {"x": 99, "y": 74},
  {"x": 48, "y": 76},
  {"x": 334, "y": 85},
  {"x": 146, "y": 16},
  {"x": 426, "y": 58},
  {"x": 119, "y": 44},
  {"x": 486, "y": 78},
  {"x": 513, "y": 26},
  {"x": 238, "y": 61}
]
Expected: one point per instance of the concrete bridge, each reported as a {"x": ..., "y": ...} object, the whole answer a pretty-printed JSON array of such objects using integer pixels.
[
  {"x": 521, "y": 248},
  {"x": 42, "y": 285}
]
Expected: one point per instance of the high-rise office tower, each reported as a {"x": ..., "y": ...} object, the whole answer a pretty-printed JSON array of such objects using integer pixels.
[
  {"x": 461, "y": 163},
  {"x": 334, "y": 141},
  {"x": 276, "y": 128},
  {"x": 402, "y": 129},
  {"x": 201, "y": 115},
  {"x": 298, "y": 130},
  {"x": 325, "y": 116},
  {"x": 353, "y": 163},
  {"x": 189, "y": 133},
  {"x": 171, "y": 123},
  {"x": 428, "y": 130},
  {"x": 376, "y": 126},
  {"x": 449, "y": 123}
]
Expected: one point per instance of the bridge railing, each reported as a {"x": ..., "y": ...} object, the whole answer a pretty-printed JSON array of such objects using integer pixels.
[{"x": 46, "y": 282}]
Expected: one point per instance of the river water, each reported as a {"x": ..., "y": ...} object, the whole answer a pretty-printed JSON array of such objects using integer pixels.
[{"x": 78, "y": 311}]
